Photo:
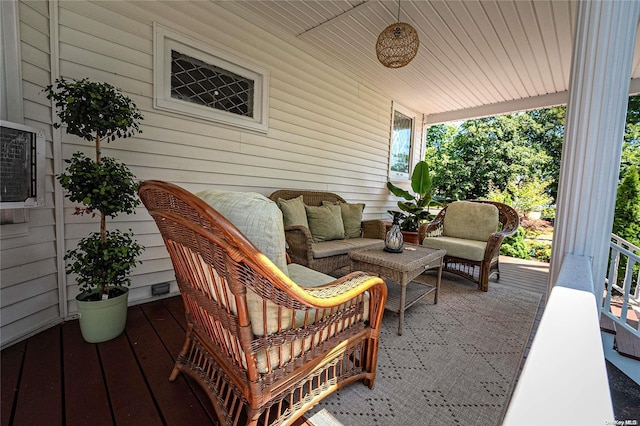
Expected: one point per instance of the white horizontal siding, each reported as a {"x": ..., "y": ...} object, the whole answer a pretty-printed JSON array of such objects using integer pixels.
[
  {"x": 29, "y": 287},
  {"x": 326, "y": 130}
]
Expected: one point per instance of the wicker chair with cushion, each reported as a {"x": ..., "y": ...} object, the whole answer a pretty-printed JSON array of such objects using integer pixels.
[
  {"x": 471, "y": 232},
  {"x": 266, "y": 340},
  {"x": 315, "y": 239}
]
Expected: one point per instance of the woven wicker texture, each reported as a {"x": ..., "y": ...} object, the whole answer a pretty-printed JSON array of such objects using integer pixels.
[
  {"x": 312, "y": 341},
  {"x": 476, "y": 271},
  {"x": 299, "y": 239},
  {"x": 397, "y": 45}
]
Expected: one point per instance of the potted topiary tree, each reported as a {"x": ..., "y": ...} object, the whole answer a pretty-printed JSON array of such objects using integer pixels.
[
  {"x": 415, "y": 208},
  {"x": 103, "y": 260}
]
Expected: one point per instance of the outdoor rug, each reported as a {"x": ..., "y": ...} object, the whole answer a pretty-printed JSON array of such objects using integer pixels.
[{"x": 456, "y": 362}]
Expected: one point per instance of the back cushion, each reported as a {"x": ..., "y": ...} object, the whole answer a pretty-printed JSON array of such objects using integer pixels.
[
  {"x": 257, "y": 217},
  {"x": 472, "y": 221},
  {"x": 260, "y": 220},
  {"x": 351, "y": 218},
  {"x": 325, "y": 222},
  {"x": 293, "y": 211}
]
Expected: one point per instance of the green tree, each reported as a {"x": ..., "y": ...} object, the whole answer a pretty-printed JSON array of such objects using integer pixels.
[
  {"x": 631, "y": 146},
  {"x": 530, "y": 195},
  {"x": 626, "y": 222},
  {"x": 525, "y": 196},
  {"x": 547, "y": 133},
  {"x": 484, "y": 152}
]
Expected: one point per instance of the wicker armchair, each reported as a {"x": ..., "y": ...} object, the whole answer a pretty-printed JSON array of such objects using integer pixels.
[
  {"x": 483, "y": 263},
  {"x": 304, "y": 251},
  {"x": 264, "y": 348}
]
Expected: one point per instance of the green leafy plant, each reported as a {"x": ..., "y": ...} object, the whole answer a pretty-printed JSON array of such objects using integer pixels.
[
  {"x": 415, "y": 206},
  {"x": 514, "y": 245},
  {"x": 99, "y": 112},
  {"x": 539, "y": 250}
]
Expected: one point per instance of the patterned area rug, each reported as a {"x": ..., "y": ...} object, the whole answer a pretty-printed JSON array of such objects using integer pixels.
[{"x": 456, "y": 362}]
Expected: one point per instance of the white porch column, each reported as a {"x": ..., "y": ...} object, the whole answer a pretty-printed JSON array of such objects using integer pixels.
[{"x": 596, "y": 113}]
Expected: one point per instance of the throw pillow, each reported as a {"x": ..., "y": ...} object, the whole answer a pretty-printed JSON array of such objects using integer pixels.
[
  {"x": 293, "y": 212},
  {"x": 351, "y": 218},
  {"x": 325, "y": 222}
]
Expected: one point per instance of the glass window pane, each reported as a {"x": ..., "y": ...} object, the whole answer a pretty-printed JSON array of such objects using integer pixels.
[
  {"x": 401, "y": 142},
  {"x": 17, "y": 164}
]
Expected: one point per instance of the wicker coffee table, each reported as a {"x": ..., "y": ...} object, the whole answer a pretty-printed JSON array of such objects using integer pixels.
[{"x": 401, "y": 268}]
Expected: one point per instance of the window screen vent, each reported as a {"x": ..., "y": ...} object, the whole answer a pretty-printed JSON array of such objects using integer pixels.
[{"x": 21, "y": 166}]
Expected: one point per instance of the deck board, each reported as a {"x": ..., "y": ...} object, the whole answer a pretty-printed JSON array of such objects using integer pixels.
[
  {"x": 11, "y": 361},
  {"x": 156, "y": 364},
  {"x": 40, "y": 388},
  {"x": 82, "y": 366},
  {"x": 130, "y": 398},
  {"x": 627, "y": 343},
  {"x": 125, "y": 381}
]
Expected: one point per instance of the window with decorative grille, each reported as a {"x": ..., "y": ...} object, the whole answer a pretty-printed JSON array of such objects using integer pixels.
[
  {"x": 196, "y": 79},
  {"x": 205, "y": 84}
]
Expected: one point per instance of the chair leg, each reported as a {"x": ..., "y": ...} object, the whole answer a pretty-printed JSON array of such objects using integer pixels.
[
  {"x": 176, "y": 368},
  {"x": 483, "y": 278}
]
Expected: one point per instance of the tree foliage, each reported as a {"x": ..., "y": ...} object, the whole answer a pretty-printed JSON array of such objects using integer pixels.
[
  {"x": 490, "y": 153},
  {"x": 631, "y": 146},
  {"x": 525, "y": 196},
  {"x": 483, "y": 153},
  {"x": 626, "y": 222},
  {"x": 94, "y": 110},
  {"x": 513, "y": 246}
]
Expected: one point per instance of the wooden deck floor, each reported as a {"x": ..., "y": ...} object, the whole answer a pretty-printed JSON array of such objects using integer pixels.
[{"x": 55, "y": 378}]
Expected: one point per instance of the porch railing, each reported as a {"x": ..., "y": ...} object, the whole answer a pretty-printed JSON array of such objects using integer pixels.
[
  {"x": 564, "y": 380},
  {"x": 623, "y": 285}
]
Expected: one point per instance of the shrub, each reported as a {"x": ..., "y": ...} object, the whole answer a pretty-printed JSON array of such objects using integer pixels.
[
  {"x": 539, "y": 250},
  {"x": 514, "y": 246}
]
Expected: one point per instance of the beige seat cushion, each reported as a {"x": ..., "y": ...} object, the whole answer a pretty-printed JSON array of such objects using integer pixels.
[
  {"x": 339, "y": 247},
  {"x": 457, "y": 247},
  {"x": 471, "y": 221},
  {"x": 307, "y": 278}
]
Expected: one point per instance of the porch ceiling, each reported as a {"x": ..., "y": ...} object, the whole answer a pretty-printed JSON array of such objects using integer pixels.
[{"x": 476, "y": 58}]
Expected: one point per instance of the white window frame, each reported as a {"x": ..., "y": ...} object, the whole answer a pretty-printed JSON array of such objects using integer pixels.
[
  {"x": 165, "y": 40},
  {"x": 415, "y": 149},
  {"x": 11, "y": 103}
]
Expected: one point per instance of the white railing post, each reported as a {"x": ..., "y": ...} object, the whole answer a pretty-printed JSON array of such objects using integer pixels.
[
  {"x": 564, "y": 380},
  {"x": 620, "y": 250}
]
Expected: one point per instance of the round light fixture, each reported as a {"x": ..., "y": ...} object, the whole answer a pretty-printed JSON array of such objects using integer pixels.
[{"x": 397, "y": 45}]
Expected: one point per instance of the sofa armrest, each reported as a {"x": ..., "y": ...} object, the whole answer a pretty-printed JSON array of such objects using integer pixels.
[
  {"x": 374, "y": 228},
  {"x": 345, "y": 290},
  {"x": 433, "y": 228},
  {"x": 299, "y": 244},
  {"x": 495, "y": 241}
]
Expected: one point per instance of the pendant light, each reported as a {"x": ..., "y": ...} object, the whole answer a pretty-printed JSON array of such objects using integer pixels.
[{"x": 397, "y": 44}]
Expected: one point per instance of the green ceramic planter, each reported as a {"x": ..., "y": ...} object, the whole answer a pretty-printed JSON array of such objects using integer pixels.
[{"x": 104, "y": 319}]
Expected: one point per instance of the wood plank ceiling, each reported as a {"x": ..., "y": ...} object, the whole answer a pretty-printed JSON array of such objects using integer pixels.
[{"x": 475, "y": 57}]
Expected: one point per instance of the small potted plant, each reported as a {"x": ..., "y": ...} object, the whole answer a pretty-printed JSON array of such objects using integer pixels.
[
  {"x": 414, "y": 208},
  {"x": 102, "y": 261}
]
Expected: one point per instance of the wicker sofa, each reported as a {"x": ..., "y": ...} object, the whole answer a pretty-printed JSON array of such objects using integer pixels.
[
  {"x": 471, "y": 232},
  {"x": 333, "y": 254},
  {"x": 266, "y": 340}
]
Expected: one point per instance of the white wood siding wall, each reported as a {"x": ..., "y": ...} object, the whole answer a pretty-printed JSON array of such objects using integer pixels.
[
  {"x": 327, "y": 131},
  {"x": 29, "y": 296}
]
